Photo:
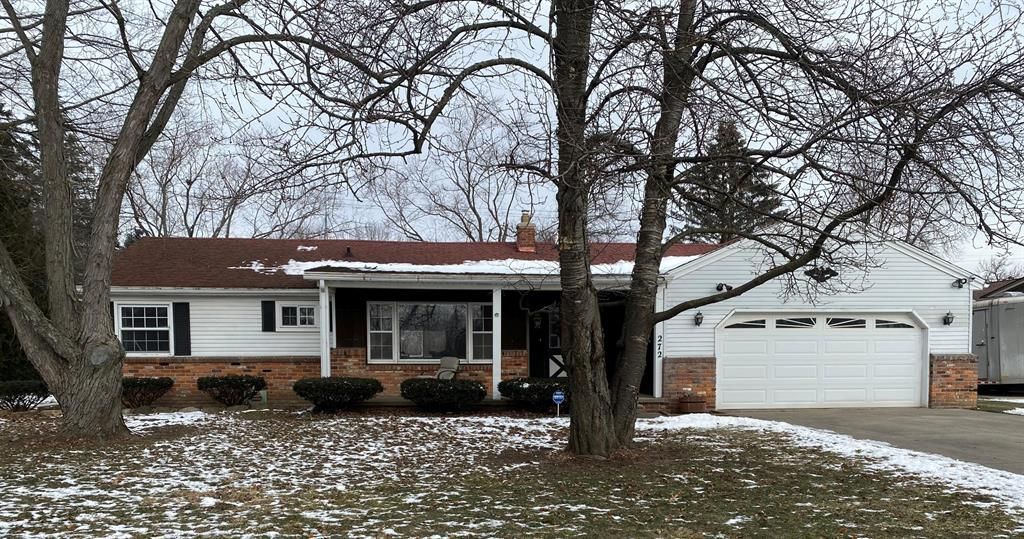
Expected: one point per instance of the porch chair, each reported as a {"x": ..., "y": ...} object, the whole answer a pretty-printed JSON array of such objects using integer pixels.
[{"x": 448, "y": 369}]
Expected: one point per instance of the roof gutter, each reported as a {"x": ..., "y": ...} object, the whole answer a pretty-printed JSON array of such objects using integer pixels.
[{"x": 457, "y": 280}]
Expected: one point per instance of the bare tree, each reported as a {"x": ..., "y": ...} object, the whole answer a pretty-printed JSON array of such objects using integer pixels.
[
  {"x": 999, "y": 267},
  {"x": 462, "y": 188},
  {"x": 119, "y": 75},
  {"x": 852, "y": 106}
]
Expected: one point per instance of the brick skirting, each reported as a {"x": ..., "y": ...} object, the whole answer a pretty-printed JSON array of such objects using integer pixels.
[
  {"x": 280, "y": 373},
  {"x": 696, "y": 374},
  {"x": 352, "y": 362},
  {"x": 954, "y": 381}
]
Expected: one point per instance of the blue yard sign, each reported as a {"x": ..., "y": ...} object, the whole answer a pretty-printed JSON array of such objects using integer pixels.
[{"x": 558, "y": 397}]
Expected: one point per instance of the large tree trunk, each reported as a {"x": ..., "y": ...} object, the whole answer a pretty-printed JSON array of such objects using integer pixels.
[
  {"x": 72, "y": 344},
  {"x": 590, "y": 430},
  {"x": 643, "y": 291},
  {"x": 90, "y": 399}
]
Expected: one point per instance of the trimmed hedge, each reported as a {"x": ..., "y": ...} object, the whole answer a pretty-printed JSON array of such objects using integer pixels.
[
  {"x": 335, "y": 393},
  {"x": 443, "y": 395},
  {"x": 533, "y": 393},
  {"x": 137, "y": 392},
  {"x": 232, "y": 390},
  {"x": 22, "y": 395}
]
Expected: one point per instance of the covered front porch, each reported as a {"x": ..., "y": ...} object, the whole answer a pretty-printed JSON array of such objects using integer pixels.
[{"x": 393, "y": 327}]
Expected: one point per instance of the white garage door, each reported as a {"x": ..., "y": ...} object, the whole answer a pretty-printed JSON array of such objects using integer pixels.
[{"x": 819, "y": 361}]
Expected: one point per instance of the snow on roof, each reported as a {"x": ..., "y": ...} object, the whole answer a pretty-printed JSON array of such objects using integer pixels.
[{"x": 509, "y": 266}]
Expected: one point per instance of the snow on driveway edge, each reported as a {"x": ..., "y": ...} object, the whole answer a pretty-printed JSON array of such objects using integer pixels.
[{"x": 1005, "y": 487}]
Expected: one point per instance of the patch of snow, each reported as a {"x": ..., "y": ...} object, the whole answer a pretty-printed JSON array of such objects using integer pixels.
[
  {"x": 49, "y": 402},
  {"x": 1003, "y": 399},
  {"x": 149, "y": 421},
  {"x": 306, "y": 248},
  {"x": 207, "y": 501},
  {"x": 1014, "y": 411},
  {"x": 1006, "y": 487},
  {"x": 737, "y": 520},
  {"x": 509, "y": 266}
]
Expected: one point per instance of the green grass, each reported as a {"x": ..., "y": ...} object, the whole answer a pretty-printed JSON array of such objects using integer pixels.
[
  {"x": 378, "y": 476},
  {"x": 987, "y": 405}
]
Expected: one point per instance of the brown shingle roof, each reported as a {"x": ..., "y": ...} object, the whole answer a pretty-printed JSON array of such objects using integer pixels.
[
  {"x": 998, "y": 287},
  {"x": 223, "y": 263}
]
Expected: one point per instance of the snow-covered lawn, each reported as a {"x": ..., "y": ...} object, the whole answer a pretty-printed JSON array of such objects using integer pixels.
[{"x": 278, "y": 474}]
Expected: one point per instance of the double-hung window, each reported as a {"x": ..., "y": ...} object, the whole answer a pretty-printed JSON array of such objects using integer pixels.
[
  {"x": 298, "y": 316},
  {"x": 425, "y": 332},
  {"x": 145, "y": 329}
]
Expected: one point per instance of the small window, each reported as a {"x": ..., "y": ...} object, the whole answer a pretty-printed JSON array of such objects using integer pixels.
[
  {"x": 847, "y": 323},
  {"x": 298, "y": 316},
  {"x": 749, "y": 324},
  {"x": 145, "y": 329},
  {"x": 786, "y": 323},
  {"x": 483, "y": 330},
  {"x": 554, "y": 331},
  {"x": 892, "y": 324},
  {"x": 382, "y": 317}
]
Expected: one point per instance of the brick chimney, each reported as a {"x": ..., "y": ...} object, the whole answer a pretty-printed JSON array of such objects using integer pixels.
[{"x": 526, "y": 235}]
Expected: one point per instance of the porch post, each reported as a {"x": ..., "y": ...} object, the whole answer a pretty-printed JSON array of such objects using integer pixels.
[
  {"x": 495, "y": 342},
  {"x": 325, "y": 330},
  {"x": 659, "y": 346}
]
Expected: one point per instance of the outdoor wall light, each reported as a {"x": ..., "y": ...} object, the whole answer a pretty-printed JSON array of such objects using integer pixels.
[
  {"x": 948, "y": 319},
  {"x": 722, "y": 286},
  {"x": 698, "y": 318},
  {"x": 821, "y": 274},
  {"x": 959, "y": 283}
]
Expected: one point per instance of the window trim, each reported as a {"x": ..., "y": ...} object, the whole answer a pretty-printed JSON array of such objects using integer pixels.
[
  {"x": 471, "y": 333},
  {"x": 396, "y": 333},
  {"x": 297, "y": 328},
  {"x": 170, "y": 327}
]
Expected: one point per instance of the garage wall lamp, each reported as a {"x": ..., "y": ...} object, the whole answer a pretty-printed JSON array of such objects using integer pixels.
[
  {"x": 959, "y": 283},
  {"x": 698, "y": 318},
  {"x": 948, "y": 319}
]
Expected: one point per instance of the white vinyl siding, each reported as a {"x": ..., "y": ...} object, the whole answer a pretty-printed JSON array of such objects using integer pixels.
[
  {"x": 226, "y": 326},
  {"x": 902, "y": 283}
]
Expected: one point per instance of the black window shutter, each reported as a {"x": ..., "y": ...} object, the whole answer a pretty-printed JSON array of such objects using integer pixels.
[
  {"x": 182, "y": 330},
  {"x": 269, "y": 316},
  {"x": 113, "y": 319}
]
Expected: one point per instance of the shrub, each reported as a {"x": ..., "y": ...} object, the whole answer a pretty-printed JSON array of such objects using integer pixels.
[
  {"x": 443, "y": 395},
  {"x": 533, "y": 393},
  {"x": 136, "y": 392},
  {"x": 332, "y": 394},
  {"x": 22, "y": 395},
  {"x": 232, "y": 390}
]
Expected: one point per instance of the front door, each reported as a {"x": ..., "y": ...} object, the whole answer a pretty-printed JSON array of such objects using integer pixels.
[{"x": 546, "y": 346}]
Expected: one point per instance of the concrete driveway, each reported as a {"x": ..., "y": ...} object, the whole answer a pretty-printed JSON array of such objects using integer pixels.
[{"x": 987, "y": 438}]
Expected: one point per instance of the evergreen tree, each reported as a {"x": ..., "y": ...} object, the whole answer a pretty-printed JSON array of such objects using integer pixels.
[
  {"x": 21, "y": 215},
  {"x": 728, "y": 194},
  {"x": 20, "y": 206}
]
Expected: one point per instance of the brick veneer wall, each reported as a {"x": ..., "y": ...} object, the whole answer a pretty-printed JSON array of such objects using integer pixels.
[
  {"x": 953, "y": 381},
  {"x": 279, "y": 372},
  {"x": 696, "y": 374},
  {"x": 352, "y": 362}
]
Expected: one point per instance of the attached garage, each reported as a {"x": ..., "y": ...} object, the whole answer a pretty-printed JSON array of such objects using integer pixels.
[{"x": 820, "y": 360}]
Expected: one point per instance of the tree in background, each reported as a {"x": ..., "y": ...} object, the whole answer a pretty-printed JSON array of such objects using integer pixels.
[
  {"x": 999, "y": 267},
  {"x": 463, "y": 189},
  {"x": 727, "y": 196},
  {"x": 21, "y": 225}
]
